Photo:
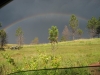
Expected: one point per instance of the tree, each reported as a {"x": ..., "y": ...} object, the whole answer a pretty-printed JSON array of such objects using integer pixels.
[
  {"x": 92, "y": 25},
  {"x": 0, "y": 25},
  {"x": 35, "y": 41},
  {"x": 63, "y": 39},
  {"x": 65, "y": 34},
  {"x": 19, "y": 34},
  {"x": 98, "y": 28},
  {"x": 53, "y": 35},
  {"x": 73, "y": 23},
  {"x": 3, "y": 38},
  {"x": 79, "y": 32}
]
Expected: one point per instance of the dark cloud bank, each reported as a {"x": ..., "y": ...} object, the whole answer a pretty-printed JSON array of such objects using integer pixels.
[{"x": 43, "y": 14}]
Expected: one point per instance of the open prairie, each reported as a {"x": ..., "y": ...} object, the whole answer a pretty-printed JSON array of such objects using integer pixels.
[{"x": 75, "y": 53}]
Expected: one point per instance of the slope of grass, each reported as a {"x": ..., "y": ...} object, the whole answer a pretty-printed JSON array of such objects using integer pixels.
[{"x": 81, "y": 52}]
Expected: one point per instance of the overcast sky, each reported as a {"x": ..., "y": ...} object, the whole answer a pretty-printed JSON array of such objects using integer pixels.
[{"x": 35, "y": 17}]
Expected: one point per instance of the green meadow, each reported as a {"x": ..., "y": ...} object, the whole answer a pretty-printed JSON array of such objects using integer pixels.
[{"x": 83, "y": 52}]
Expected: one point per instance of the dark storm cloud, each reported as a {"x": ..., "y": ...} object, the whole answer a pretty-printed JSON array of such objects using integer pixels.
[{"x": 20, "y": 9}]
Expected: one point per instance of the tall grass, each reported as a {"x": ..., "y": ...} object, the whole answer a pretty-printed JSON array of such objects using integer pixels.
[{"x": 75, "y": 53}]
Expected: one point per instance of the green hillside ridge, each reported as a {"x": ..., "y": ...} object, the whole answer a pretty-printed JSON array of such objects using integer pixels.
[{"x": 75, "y": 53}]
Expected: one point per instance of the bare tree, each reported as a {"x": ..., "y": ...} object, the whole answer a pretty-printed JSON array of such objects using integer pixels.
[
  {"x": 19, "y": 34},
  {"x": 66, "y": 33}
]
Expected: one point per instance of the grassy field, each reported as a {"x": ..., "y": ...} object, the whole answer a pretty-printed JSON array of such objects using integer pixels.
[{"x": 75, "y": 53}]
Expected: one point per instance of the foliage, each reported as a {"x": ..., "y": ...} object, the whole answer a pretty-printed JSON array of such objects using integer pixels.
[
  {"x": 3, "y": 38},
  {"x": 65, "y": 33},
  {"x": 98, "y": 28},
  {"x": 58, "y": 71},
  {"x": 92, "y": 25},
  {"x": 63, "y": 39},
  {"x": 0, "y": 25},
  {"x": 9, "y": 59},
  {"x": 79, "y": 32},
  {"x": 47, "y": 61},
  {"x": 35, "y": 41},
  {"x": 19, "y": 34},
  {"x": 73, "y": 23},
  {"x": 53, "y": 36},
  {"x": 75, "y": 53}
]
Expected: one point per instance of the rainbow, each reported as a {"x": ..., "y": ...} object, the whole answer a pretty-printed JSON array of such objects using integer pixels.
[{"x": 40, "y": 15}]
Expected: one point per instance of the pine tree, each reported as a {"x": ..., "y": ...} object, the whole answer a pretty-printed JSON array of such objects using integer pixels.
[
  {"x": 92, "y": 25},
  {"x": 79, "y": 32},
  {"x": 3, "y": 37},
  {"x": 0, "y": 25},
  {"x": 53, "y": 36},
  {"x": 98, "y": 28},
  {"x": 73, "y": 23}
]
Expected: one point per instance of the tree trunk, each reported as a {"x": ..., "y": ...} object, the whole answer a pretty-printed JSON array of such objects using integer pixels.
[
  {"x": 20, "y": 41},
  {"x": 73, "y": 36},
  {"x": 79, "y": 36},
  {"x": 2, "y": 44},
  {"x": 98, "y": 35}
]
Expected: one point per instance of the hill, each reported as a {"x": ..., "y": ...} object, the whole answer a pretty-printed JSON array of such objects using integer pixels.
[{"x": 75, "y": 53}]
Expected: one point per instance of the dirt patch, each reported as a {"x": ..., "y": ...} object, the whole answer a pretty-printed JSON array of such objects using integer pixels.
[
  {"x": 95, "y": 68},
  {"x": 14, "y": 55}
]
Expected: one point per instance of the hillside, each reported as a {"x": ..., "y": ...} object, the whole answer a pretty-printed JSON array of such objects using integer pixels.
[{"x": 75, "y": 53}]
